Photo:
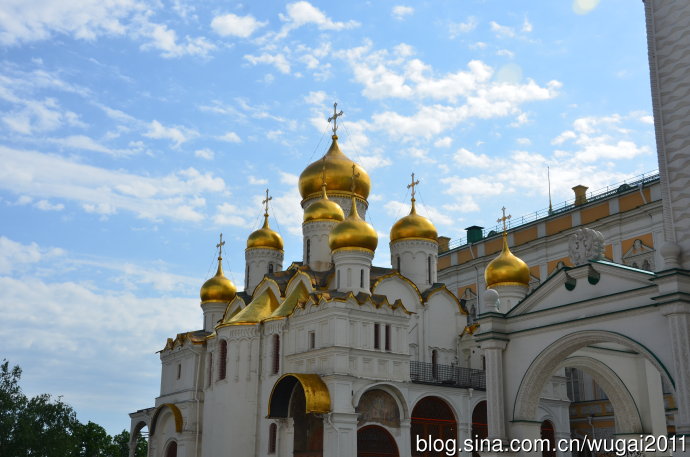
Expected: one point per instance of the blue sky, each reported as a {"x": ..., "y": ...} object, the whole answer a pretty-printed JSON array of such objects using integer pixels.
[{"x": 135, "y": 131}]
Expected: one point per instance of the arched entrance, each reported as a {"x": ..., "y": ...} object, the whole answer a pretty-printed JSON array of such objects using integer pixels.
[
  {"x": 432, "y": 417},
  {"x": 375, "y": 441},
  {"x": 548, "y": 433},
  {"x": 304, "y": 398},
  {"x": 171, "y": 451},
  {"x": 558, "y": 355},
  {"x": 480, "y": 426}
]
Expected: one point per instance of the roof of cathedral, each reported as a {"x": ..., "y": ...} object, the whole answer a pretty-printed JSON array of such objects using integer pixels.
[
  {"x": 218, "y": 288},
  {"x": 507, "y": 269},
  {"x": 265, "y": 237},
  {"x": 195, "y": 337},
  {"x": 353, "y": 232}
]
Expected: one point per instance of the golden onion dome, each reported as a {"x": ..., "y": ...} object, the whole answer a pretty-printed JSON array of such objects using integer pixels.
[
  {"x": 324, "y": 209},
  {"x": 353, "y": 232},
  {"x": 506, "y": 269},
  {"x": 338, "y": 175},
  {"x": 265, "y": 238},
  {"x": 413, "y": 226},
  {"x": 218, "y": 288}
]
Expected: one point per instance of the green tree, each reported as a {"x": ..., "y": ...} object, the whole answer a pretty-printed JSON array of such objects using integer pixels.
[{"x": 45, "y": 427}]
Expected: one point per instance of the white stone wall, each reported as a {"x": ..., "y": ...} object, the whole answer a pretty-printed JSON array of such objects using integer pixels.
[
  {"x": 416, "y": 256},
  {"x": 257, "y": 261}
]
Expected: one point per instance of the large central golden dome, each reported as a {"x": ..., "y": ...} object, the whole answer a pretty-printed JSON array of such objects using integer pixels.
[
  {"x": 413, "y": 226},
  {"x": 506, "y": 269},
  {"x": 338, "y": 175},
  {"x": 353, "y": 232}
]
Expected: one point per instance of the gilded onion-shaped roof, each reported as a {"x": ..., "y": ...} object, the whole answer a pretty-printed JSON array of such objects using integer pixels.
[
  {"x": 353, "y": 232},
  {"x": 218, "y": 288},
  {"x": 265, "y": 238},
  {"x": 413, "y": 226},
  {"x": 506, "y": 269},
  {"x": 324, "y": 209},
  {"x": 338, "y": 174}
]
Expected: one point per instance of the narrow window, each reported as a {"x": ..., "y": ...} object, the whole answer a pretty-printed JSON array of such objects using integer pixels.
[
  {"x": 210, "y": 369},
  {"x": 272, "y": 438},
  {"x": 388, "y": 337},
  {"x": 312, "y": 340},
  {"x": 308, "y": 252},
  {"x": 361, "y": 279},
  {"x": 276, "y": 354},
  {"x": 434, "y": 364},
  {"x": 377, "y": 336},
  {"x": 223, "y": 362},
  {"x": 428, "y": 268},
  {"x": 270, "y": 268},
  {"x": 398, "y": 264},
  {"x": 246, "y": 278},
  {"x": 337, "y": 279},
  {"x": 179, "y": 370}
]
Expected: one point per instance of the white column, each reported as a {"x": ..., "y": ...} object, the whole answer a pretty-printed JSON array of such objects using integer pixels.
[
  {"x": 340, "y": 435},
  {"x": 495, "y": 399},
  {"x": 678, "y": 318}
]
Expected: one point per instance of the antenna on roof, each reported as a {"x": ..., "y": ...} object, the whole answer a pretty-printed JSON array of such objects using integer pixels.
[{"x": 548, "y": 177}]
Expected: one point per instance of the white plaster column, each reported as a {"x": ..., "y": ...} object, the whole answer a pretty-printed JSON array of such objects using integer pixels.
[
  {"x": 495, "y": 397},
  {"x": 286, "y": 437},
  {"x": 340, "y": 435},
  {"x": 416, "y": 256},
  {"x": 678, "y": 318},
  {"x": 404, "y": 443}
]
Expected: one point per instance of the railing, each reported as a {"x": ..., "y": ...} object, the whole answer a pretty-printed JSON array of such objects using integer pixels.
[
  {"x": 447, "y": 375},
  {"x": 605, "y": 192}
]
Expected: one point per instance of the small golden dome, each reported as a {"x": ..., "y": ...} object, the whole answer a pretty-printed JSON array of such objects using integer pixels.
[
  {"x": 413, "y": 226},
  {"x": 353, "y": 232},
  {"x": 506, "y": 269},
  {"x": 218, "y": 288},
  {"x": 338, "y": 174},
  {"x": 324, "y": 209},
  {"x": 265, "y": 238}
]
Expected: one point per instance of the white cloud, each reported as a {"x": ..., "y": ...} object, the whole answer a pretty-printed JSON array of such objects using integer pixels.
[
  {"x": 24, "y": 21},
  {"x": 204, "y": 153},
  {"x": 527, "y": 26},
  {"x": 584, "y": 6},
  {"x": 177, "y": 135},
  {"x": 257, "y": 181},
  {"x": 277, "y": 60},
  {"x": 233, "y": 25},
  {"x": 400, "y": 12},
  {"x": 230, "y": 137},
  {"x": 302, "y": 13},
  {"x": 15, "y": 256},
  {"x": 523, "y": 141},
  {"x": 505, "y": 53},
  {"x": 467, "y": 158},
  {"x": 502, "y": 31},
  {"x": 398, "y": 209},
  {"x": 229, "y": 214},
  {"x": 161, "y": 38},
  {"x": 444, "y": 142},
  {"x": 175, "y": 196},
  {"x": 45, "y": 205},
  {"x": 86, "y": 143},
  {"x": 317, "y": 98},
  {"x": 458, "y": 28},
  {"x": 289, "y": 178}
]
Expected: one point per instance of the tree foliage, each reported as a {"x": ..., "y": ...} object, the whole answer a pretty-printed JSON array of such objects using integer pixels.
[{"x": 42, "y": 426}]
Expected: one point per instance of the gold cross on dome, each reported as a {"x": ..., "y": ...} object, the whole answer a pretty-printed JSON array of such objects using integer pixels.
[
  {"x": 503, "y": 219},
  {"x": 335, "y": 117},
  {"x": 220, "y": 246},
  {"x": 412, "y": 185},
  {"x": 265, "y": 203},
  {"x": 354, "y": 175}
]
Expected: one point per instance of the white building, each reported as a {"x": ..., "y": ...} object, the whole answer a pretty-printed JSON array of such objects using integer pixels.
[{"x": 333, "y": 357}]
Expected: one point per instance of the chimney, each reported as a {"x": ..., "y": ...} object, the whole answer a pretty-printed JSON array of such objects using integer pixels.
[
  {"x": 443, "y": 243},
  {"x": 474, "y": 233},
  {"x": 580, "y": 194}
]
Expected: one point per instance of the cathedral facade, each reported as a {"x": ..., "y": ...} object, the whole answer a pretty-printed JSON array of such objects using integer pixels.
[{"x": 331, "y": 356}]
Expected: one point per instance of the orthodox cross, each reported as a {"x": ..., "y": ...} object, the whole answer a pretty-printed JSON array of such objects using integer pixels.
[
  {"x": 503, "y": 219},
  {"x": 335, "y": 117},
  {"x": 220, "y": 246},
  {"x": 412, "y": 184},
  {"x": 265, "y": 202},
  {"x": 354, "y": 175}
]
